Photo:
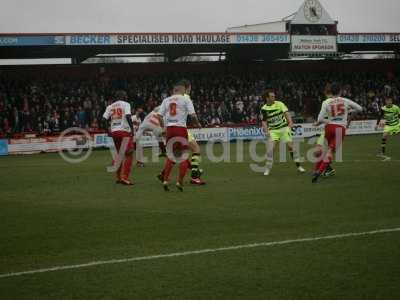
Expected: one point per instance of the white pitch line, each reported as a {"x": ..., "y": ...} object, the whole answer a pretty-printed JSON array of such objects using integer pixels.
[
  {"x": 371, "y": 160},
  {"x": 197, "y": 252}
]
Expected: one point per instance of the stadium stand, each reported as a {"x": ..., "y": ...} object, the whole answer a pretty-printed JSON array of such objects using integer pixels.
[{"x": 47, "y": 100}]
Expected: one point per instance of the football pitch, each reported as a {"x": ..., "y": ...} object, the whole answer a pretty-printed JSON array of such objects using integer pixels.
[{"x": 242, "y": 236}]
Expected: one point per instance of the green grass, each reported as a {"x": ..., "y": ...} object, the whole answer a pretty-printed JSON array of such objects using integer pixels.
[{"x": 53, "y": 213}]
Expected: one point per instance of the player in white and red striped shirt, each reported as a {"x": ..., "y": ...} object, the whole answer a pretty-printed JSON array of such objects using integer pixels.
[
  {"x": 175, "y": 111},
  {"x": 334, "y": 113},
  {"x": 121, "y": 127},
  {"x": 151, "y": 123}
]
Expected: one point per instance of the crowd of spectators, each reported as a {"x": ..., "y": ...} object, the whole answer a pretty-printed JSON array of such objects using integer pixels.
[{"x": 50, "y": 106}]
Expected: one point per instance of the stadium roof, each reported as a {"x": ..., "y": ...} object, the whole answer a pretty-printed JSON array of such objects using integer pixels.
[
  {"x": 265, "y": 41},
  {"x": 236, "y": 45},
  {"x": 310, "y": 12}
]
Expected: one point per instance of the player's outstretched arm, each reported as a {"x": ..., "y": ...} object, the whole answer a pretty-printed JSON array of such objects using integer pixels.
[
  {"x": 264, "y": 122},
  {"x": 349, "y": 120},
  {"x": 289, "y": 119},
  {"x": 321, "y": 116},
  {"x": 130, "y": 123},
  {"x": 106, "y": 118},
  {"x": 379, "y": 119},
  {"x": 264, "y": 125},
  {"x": 160, "y": 120},
  {"x": 355, "y": 106}
]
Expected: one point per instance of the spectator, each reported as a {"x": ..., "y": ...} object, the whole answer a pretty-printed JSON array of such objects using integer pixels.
[{"x": 45, "y": 106}]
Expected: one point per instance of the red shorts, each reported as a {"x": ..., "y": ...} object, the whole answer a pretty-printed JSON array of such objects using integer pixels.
[
  {"x": 178, "y": 132},
  {"x": 118, "y": 137},
  {"x": 334, "y": 134}
]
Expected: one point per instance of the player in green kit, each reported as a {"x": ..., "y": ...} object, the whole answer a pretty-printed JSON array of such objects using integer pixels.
[
  {"x": 195, "y": 160},
  {"x": 277, "y": 124},
  {"x": 391, "y": 115}
]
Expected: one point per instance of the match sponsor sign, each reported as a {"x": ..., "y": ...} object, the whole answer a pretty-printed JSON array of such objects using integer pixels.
[
  {"x": 7, "y": 41},
  {"x": 102, "y": 140},
  {"x": 306, "y": 130},
  {"x": 313, "y": 44},
  {"x": 219, "y": 134},
  {"x": 149, "y": 140},
  {"x": 369, "y": 38},
  {"x": 32, "y": 146},
  {"x": 363, "y": 127},
  {"x": 210, "y": 134},
  {"x": 246, "y": 133},
  {"x": 198, "y": 39},
  {"x": 256, "y": 133},
  {"x": 3, "y": 147},
  {"x": 176, "y": 39},
  {"x": 47, "y": 144}
]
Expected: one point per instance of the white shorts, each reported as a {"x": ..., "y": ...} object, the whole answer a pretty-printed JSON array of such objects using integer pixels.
[{"x": 156, "y": 130}]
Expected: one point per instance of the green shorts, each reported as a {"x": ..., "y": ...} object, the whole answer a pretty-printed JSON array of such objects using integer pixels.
[
  {"x": 190, "y": 137},
  {"x": 392, "y": 130},
  {"x": 284, "y": 134},
  {"x": 321, "y": 139}
]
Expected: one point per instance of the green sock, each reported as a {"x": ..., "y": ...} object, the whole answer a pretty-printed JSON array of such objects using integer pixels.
[
  {"x": 195, "y": 165},
  {"x": 383, "y": 146},
  {"x": 295, "y": 160}
]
